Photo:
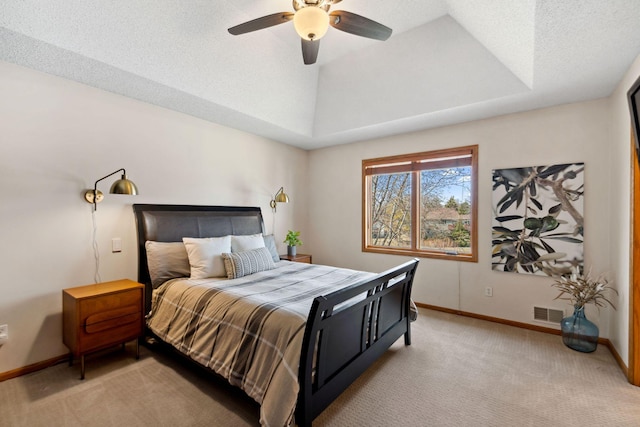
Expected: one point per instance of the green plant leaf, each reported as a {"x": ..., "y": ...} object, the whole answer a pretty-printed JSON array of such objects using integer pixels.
[
  {"x": 292, "y": 238},
  {"x": 508, "y": 218},
  {"x": 507, "y": 204},
  {"x": 532, "y": 223},
  {"x": 555, "y": 210},
  {"x": 564, "y": 239}
]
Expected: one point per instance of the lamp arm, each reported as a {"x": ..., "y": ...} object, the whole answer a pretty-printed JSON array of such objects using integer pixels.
[{"x": 95, "y": 186}]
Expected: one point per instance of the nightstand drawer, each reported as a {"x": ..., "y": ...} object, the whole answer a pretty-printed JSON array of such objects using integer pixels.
[
  {"x": 304, "y": 258},
  {"x": 111, "y": 319},
  {"x": 106, "y": 334},
  {"x": 107, "y": 303}
]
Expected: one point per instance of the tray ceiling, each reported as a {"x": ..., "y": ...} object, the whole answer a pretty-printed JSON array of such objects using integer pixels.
[{"x": 448, "y": 61}]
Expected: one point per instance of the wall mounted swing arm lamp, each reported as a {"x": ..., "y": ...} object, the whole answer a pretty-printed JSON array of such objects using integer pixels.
[
  {"x": 121, "y": 186},
  {"x": 280, "y": 197}
]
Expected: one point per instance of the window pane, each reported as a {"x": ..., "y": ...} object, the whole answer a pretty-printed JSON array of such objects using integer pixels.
[
  {"x": 445, "y": 210},
  {"x": 422, "y": 204},
  {"x": 391, "y": 210}
]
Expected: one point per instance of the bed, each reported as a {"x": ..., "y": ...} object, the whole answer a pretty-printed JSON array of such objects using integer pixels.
[{"x": 293, "y": 336}]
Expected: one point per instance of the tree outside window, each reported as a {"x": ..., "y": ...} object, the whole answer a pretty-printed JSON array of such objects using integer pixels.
[{"x": 422, "y": 204}]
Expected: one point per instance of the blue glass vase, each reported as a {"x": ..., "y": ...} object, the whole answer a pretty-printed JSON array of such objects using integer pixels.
[{"x": 578, "y": 332}]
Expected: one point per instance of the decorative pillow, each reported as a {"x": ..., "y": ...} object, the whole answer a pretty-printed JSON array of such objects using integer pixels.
[
  {"x": 270, "y": 243},
  {"x": 239, "y": 264},
  {"x": 205, "y": 255},
  {"x": 246, "y": 243},
  {"x": 166, "y": 260}
]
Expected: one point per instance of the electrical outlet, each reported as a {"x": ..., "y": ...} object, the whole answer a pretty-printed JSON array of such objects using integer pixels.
[
  {"x": 488, "y": 291},
  {"x": 4, "y": 334}
]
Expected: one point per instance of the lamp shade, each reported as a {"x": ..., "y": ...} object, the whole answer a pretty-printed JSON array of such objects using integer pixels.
[
  {"x": 282, "y": 197},
  {"x": 123, "y": 186},
  {"x": 311, "y": 22}
]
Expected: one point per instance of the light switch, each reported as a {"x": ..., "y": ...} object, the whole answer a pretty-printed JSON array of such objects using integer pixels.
[{"x": 116, "y": 245}]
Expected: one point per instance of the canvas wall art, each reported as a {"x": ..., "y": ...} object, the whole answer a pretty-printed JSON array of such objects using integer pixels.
[{"x": 538, "y": 223}]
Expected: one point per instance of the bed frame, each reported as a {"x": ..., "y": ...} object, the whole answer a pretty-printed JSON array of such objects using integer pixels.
[{"x": 342, "y": 341}]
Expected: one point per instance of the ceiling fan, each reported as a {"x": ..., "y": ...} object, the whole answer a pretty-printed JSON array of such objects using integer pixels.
[{"x": 311, "y": 20}]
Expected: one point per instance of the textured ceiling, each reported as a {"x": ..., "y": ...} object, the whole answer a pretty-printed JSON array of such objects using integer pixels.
[{"x": 448, "y": 61}]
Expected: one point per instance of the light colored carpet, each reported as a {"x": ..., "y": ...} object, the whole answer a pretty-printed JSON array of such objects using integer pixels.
[{"x": 458, "y": 372}]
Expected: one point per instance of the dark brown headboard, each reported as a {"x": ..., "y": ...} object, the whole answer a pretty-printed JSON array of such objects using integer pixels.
[{"x": 170, "y": 223}]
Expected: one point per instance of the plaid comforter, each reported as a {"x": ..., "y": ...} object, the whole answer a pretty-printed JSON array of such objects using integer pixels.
[{"x": 248, "y": 330}]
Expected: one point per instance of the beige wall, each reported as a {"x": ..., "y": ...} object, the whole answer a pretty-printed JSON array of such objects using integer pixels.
[
  {"x": 56, "y": 138},
  {"x": 568, "y": 133},
  {"x": 620, "y": 206}
]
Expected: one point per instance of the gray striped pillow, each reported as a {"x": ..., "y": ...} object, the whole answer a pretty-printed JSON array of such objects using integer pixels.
[{"x": 239, "y": 264}]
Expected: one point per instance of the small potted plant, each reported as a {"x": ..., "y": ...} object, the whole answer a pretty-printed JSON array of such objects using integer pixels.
[
  {"x": 292, "y": 240},
  {"x": 578, "y": 332}
]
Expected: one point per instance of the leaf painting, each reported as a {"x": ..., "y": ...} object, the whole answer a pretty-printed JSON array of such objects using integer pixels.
[{"x": 538, "y": 224}]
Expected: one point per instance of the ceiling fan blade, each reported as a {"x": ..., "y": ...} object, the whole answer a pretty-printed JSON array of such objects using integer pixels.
[
  {"x": 310, "y": 51},
  {"x": 260, "y": 23},
  {"x": 358, "y": 25}
]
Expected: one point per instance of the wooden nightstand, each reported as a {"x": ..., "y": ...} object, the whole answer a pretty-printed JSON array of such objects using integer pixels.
[
  {"x": 297, "y": 258},
  {"x": 95, "y": 317}
]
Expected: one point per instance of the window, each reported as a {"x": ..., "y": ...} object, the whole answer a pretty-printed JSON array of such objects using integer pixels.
[{"x": 422, "y": 204}]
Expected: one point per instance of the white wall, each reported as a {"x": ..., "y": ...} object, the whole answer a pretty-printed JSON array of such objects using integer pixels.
[
  {"x": 568, "y": 133},
  {"x": 56, "y": 138},
  {"x": 620, "y": 226}
]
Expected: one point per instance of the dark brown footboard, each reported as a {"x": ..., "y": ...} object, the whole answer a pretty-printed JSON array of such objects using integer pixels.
[{"x": 347, "y": 331}]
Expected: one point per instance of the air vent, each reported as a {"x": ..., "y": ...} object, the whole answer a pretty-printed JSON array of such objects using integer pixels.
[{"x": 550, "y": 315}]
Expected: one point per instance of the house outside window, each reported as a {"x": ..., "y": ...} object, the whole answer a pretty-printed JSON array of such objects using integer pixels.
[{"x": 422, "y": 204}]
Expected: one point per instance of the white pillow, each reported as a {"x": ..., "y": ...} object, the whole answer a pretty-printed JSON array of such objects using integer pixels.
[
  {"x": 247, "y": 243},
  {"x": 205, "y": 256}
]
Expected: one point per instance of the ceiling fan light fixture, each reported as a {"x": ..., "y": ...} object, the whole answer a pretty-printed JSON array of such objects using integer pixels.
[{"x": 311, "y": 22}]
